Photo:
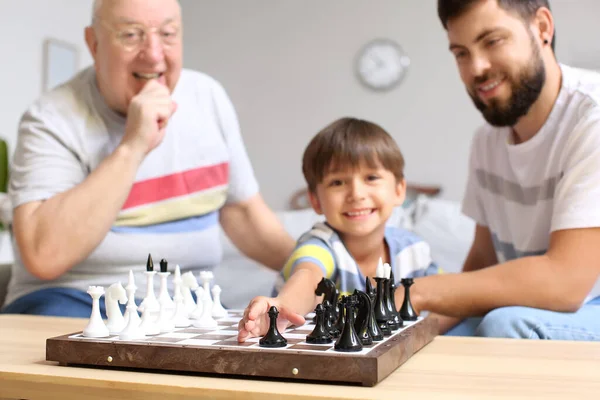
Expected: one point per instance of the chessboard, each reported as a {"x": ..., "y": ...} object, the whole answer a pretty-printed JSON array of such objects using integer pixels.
[{"x": 216, "y": 351}]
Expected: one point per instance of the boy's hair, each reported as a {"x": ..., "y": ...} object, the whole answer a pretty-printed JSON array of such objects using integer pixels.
[
  {"x": 526, "y": 9},
  {"x": 346, "y": 143}
]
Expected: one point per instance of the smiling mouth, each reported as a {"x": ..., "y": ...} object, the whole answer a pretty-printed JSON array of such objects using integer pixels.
[
  {"x": 490, "y": 86},
  {"x": 140, "y": 75},
  {"x": 359, "y": 213}
]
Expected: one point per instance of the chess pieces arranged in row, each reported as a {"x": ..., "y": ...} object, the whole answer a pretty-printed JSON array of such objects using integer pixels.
[
  {"x": 160, "y": 314},
  {"x": 356, "y": 320}
]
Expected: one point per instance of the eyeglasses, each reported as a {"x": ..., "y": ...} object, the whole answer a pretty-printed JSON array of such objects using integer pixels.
[{"x": 133, "y": 37}]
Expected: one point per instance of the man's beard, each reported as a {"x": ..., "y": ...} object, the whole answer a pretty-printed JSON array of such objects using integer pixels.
[{"x": 524, "y": 93}]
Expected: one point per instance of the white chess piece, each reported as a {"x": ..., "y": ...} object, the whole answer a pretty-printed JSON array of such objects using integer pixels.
[
  {"x": 188, "y": 284},
  {"x": 96, "y": 327},
  {"x": 148, "y": 325},
  {"x": 218, "y": 311},
  {"x": 115, "y": 294},
  {"x": 380, "y": 271},
  {"x": 132, "y": 330},
  {"x": 387, "y": 268},
  {"x": 150, "y": 300},
  {"x": 206, "y": 320},
  {"x": 180, "y": 319},
  {"x": 197, "y": 313},
  {"x": 164, "y": 321},
  {"x": 163, "y": 295}
]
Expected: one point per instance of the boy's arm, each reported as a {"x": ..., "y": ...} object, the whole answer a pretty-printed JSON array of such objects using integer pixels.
[
  {"x": 299, "y": 291},
  {"x": 296, "y": 299}
]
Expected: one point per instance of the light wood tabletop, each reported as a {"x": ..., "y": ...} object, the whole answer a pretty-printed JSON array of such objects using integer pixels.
[{"x": 460, "y": 368}]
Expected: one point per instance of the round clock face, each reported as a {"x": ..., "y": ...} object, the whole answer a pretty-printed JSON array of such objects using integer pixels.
[{"x": 381, "y": 64}]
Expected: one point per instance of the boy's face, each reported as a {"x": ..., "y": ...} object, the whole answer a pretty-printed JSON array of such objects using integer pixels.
[
  {"x": 499, "y": 61},
  {"x": 358, "y": 202}
]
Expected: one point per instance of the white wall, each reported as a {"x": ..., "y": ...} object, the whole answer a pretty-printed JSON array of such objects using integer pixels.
[
  {"x": 24, "y": 25},
  {"x": 288, "y": 66}
]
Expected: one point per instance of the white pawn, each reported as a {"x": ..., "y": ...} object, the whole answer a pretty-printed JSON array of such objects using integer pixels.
[
  {"x": 206, "y": 320},
  {"x": 218, "y": 311},
  {"x": 150, "y": 300},
  {"x": 163, "y": 295},
  {"x": 164, "y": 321},
  {"x": 148, "y": 324},
  {"x": 96, "y": 327},
  {"x": 132, "y": 330},
  {"x": 197, "y": 313},
  {"x": 115, "y": 294},
  {"x": 188, "y": 284},
  {"x": 180, "y": 319}
]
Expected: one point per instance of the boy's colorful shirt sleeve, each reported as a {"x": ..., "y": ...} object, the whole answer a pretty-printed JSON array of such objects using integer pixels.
[{"x": 313, "y": 251}]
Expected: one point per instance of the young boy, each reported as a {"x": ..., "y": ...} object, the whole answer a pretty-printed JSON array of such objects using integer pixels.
[{"x": 354, "y": 172}]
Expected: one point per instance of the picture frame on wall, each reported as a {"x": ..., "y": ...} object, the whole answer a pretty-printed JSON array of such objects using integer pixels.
[{"x": 61, "y": 61}]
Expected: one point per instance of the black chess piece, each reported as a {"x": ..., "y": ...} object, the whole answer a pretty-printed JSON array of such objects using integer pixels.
[
  {"x": 361, "y": 323},
  {"x": 380, "y": 308},
  {"x": 407, "y": 312},
  {"x": 390, "y": 309},
  {"x": 273, "y": 338},
  {"x": 369, "y": 288},
  {"x": 341, "y": 317},
  {"x": 163, "y": 265},
  {"x": 327, "y": 287},
  {"x": 333, "y": 331},
  {"x": 149, "y": 264},
  {"x": 349, "y": 340},
  {"x": 392, "y": 301},
  {"x": 319, "y": 335}
]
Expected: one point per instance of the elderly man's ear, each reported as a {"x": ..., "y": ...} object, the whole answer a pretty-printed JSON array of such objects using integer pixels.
[{"x": 91, "y": 41}]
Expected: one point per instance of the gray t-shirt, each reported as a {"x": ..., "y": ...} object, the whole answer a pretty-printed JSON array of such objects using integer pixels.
[{"x": 172, "y": 209}]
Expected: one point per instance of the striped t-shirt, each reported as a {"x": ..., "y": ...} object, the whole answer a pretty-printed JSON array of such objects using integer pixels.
[
  {"x": 410, "y": 258},
  {"x": 524, "y": 192},
  {"x": 173, "y": 207}
]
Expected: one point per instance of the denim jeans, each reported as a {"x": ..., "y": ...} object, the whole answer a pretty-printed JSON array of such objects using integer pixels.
[
  {"x": 533, "y": 323},
  {"x": 59, "y": 302}
]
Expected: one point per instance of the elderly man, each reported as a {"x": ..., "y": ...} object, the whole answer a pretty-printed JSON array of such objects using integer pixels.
[
  {"x": 534, "y": 181},
  {"x": 134, "y": 155}
]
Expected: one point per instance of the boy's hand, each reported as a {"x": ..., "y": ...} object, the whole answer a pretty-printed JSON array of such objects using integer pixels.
[{"x": 256, "y": 318}]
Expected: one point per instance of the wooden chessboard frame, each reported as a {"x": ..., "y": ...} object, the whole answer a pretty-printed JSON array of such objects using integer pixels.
[{"x": 294, "y": 365}]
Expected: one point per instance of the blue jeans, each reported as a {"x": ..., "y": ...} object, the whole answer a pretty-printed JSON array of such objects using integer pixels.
[
  {"x": 59, "y": 302},
  {"x": 533, "y": 323}
]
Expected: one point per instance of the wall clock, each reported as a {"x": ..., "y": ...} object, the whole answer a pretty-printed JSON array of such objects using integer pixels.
[{"x": 381, "y": 64}]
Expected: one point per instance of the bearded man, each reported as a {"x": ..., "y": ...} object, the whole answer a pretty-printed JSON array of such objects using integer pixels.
[{"x": 534, "y": 182}]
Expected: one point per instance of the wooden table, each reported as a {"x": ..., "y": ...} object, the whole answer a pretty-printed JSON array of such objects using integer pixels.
[{"x": 462, "y": 368}]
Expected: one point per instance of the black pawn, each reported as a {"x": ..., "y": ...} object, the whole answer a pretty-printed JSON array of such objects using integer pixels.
[
  {"x": 333, "y": 331},
  {"x": 319, "y": 335},
  {"x": 407, "y": 312},
  {"x": 149, "y": 264},
  {"x": 273, "y": 338},
  {"x": 349, "y": 340},
  {"x": 163, "y": 265},
  {"x": 361, "y": 324}
]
